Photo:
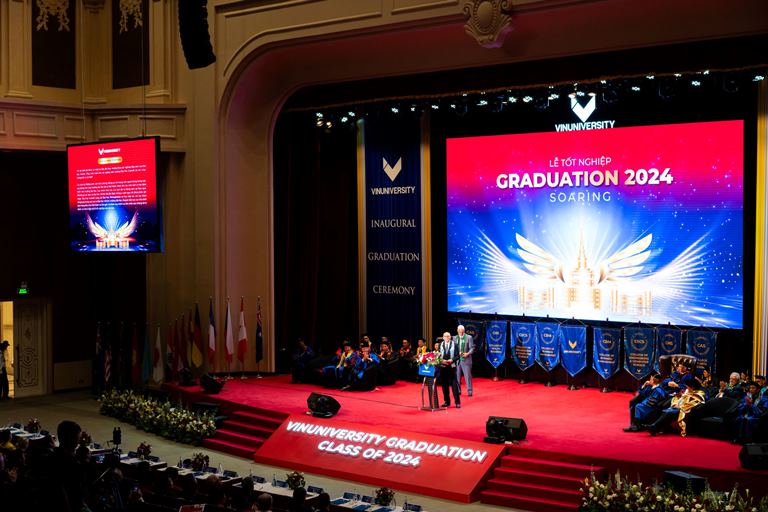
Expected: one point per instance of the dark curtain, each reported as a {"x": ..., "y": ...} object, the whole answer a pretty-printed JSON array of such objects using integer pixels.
[
  {"x": 53, "y": 46},
  {"x": 316, "y": 267},
  {"x": 130, "y": 46}
]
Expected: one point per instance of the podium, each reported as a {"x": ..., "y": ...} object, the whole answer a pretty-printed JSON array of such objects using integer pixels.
[{"x": 429, "y": 385}]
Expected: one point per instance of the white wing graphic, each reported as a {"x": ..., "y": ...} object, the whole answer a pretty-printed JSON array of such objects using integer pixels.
[
  {"x": 626, "y": 262},
  {"x": 129, "y": 227},
  {"x": 538, "y": 261},
  {"x": 94, "y": 227}
]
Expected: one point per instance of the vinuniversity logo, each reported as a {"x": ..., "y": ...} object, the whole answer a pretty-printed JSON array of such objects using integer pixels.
[
  {"x": 584, "y": 112},
  {"x": 393, "y": 171}
]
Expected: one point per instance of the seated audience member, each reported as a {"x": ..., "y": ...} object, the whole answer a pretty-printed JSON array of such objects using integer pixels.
[
  {"x": 298, "y": 501},
  {"x": 323, "y": 502},
  {"x": 363, "y": 374},
  {"x": 753, "y": 411},
  {"x": 65, "y": 472},
  {"x": 263, "y": 503},
  {"x": 682, "y": 404},
  {"x": 337, "y": 375},
  {"x": 745, "y": 377},
  {"x": 388, "y": 361},
  {"x": 436, "y": 347},
  {"x": 421, "y": 348},
  {"x": 733, "y": 389},
  {"x": 5, "y": 440},
  {"x": 675, "y": 380},
  {"x": 406, "y": 351},
  {"x": 761, "y": 384},
  {"x": 301, "y": 358},
  {"x": 652, "y": 397}
]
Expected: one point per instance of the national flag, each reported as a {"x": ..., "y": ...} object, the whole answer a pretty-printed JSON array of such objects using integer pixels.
[
  {"x": 107, "y": 366},
  {"x": 157, "y": 359},
  {"x": 197, "y": 340},
  {"x": 242, "y": 337},
  {"x": 146, "y": 363},
  {"x": 181, "y": 343},
  {"x": 170, "y": 353},
  {"x": 98, "y": 361},
  {"x": 211, "y": 334},
  {"x": 229, "y": 342},
  {"x": 178, "y": 361},
  {"x": 98, "y": 339},
  {"x": 135, "y": 359},
  {"x": 259, "y": 333}
]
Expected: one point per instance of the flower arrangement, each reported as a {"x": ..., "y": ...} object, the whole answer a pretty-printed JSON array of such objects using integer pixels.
[
  {"x": 33, "y": 426},
  {"x": 143, "y": 450},
  {"x": 384, "y": 496},
  {"x": 619, "y": 494},
  {"x": 85, "y": 438},
  {"x": 199, "y": 461},
  {"x": 431, "y": 359},
  {"x": 295, "y": 480},
  {"x": 161, "y": 418}
]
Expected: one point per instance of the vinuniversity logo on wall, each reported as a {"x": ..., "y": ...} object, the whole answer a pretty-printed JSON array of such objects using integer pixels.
[{"x": 583, "y": 113}]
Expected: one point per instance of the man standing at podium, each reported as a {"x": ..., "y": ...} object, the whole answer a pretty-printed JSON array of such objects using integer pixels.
[
  {"x": 466, "y": 347},
  {"x": 449, "y": 353}
]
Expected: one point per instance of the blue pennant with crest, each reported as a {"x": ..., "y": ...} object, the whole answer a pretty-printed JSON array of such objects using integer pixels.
[
  {"x": 474, "y": 328},
  {"x": 548, "y": 355},
  {"x": 638, "y": 351},
  {"x": 524, "y": 343},
  {"x": 573, "y": 348},
  {"x": 668, "y": 341},
  {"x": 496, "y": 342},
  {"x": 605, "y": 353},
  {"x": 702, "y": 345}
]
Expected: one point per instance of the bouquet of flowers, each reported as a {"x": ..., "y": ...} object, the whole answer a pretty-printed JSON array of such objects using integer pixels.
[
  {"x": 431, "y": 359},
  {"x": 295, "y": 480},
  {"x": 143, "y": 450},
  {"x": 199, "y": 461},
  {"x": 85, "y": 438},
  {"x": 384, "y": 496},
  {"x": 33, "y": 426}
]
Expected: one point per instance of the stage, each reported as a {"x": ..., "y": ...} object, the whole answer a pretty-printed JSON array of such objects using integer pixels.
[{"x": 573, "y": 427}]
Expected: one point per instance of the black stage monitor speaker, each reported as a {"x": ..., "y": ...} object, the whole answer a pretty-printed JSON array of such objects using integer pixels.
[
  {"x": 185, "y": 377},
  {"x": 501, "y": 429},
  {"x": 682, "y": 481},
  {"x": 754, "y": 456},
  {"x": 210, "y": 384},
  {"x": 322, "y": 406},
  {"x": 193, "y": 31}
]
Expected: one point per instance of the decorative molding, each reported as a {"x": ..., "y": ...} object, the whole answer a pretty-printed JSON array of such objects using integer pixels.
[
  {"x": 26, "y": 124},
  {"x": 50, "y": 127},
  {"x": 488, "y": 21},
  {"x": 93, "y": 6},
  {"x": 408, "y": 6}
]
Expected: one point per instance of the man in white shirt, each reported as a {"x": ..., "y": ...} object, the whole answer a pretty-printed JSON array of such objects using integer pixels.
[{"x": 466, "y": 347}]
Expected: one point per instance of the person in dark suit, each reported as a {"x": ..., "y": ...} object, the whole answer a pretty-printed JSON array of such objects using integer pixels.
[
  {"x": 3, "y": 371},
  {"x": 449, "y": 352},
  {"x": 466, "y": 346}
]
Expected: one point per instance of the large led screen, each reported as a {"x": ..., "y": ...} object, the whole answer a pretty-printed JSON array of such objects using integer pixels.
[
  {"x": 628, "y": 224},
  {"x": 113, "y": 196}
]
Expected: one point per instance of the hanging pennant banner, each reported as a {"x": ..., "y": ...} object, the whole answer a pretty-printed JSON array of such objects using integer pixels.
[
  {"x": 703, "y": 345},
  {"x": 638, "y": 351},
  {"x": 474, "y": 328},
  {"x": 549, "y": 353},
  {"x": 573, "y": 348},
  {"x": 605, "y": 352},
  {"x": 496, "y": 342},
  {"x": 668, "y": 342},
  {"x": 524, "y": 343}
]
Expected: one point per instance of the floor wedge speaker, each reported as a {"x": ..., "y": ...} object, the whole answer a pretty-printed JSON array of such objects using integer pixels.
[{"x": 322, "y": 406}]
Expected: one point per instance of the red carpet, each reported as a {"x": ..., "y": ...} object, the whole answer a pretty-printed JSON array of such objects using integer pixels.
[{"x": 577, "y": 427}]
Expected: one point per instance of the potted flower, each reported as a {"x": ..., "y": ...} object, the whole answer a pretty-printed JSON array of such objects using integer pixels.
[
  {"x": 295, "y": 480},
  {"x": 85, "y": 438},
  {"x": 33, "y": 426},
  {"x": 384, "y": 496},
  {"x": 143, "y": 450},
  {"x": 199, "y": 461}
]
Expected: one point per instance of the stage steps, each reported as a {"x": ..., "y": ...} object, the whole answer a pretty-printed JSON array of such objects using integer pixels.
[
  {"x": 537, "y": 484},
  {"x": 244, "y": 431}
]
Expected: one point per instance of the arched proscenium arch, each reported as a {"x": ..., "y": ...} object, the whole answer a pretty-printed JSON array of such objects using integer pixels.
[{"x": 256, "y": 75}]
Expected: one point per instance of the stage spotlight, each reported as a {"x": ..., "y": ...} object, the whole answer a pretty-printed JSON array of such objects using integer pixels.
[
  {"x": 667, "y": 89},
  {"x": 730, "y": 85},
  {"x": 758, "y": 78},
  {"x": 527, "y": 99},
  {"x": 322, "y": 406},
  {"x": 210, "y": 385},
  {"x": 499, "y": 429}
]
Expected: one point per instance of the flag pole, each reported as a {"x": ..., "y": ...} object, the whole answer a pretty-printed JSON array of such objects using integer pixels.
[{"x": 258, "y": 332}]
